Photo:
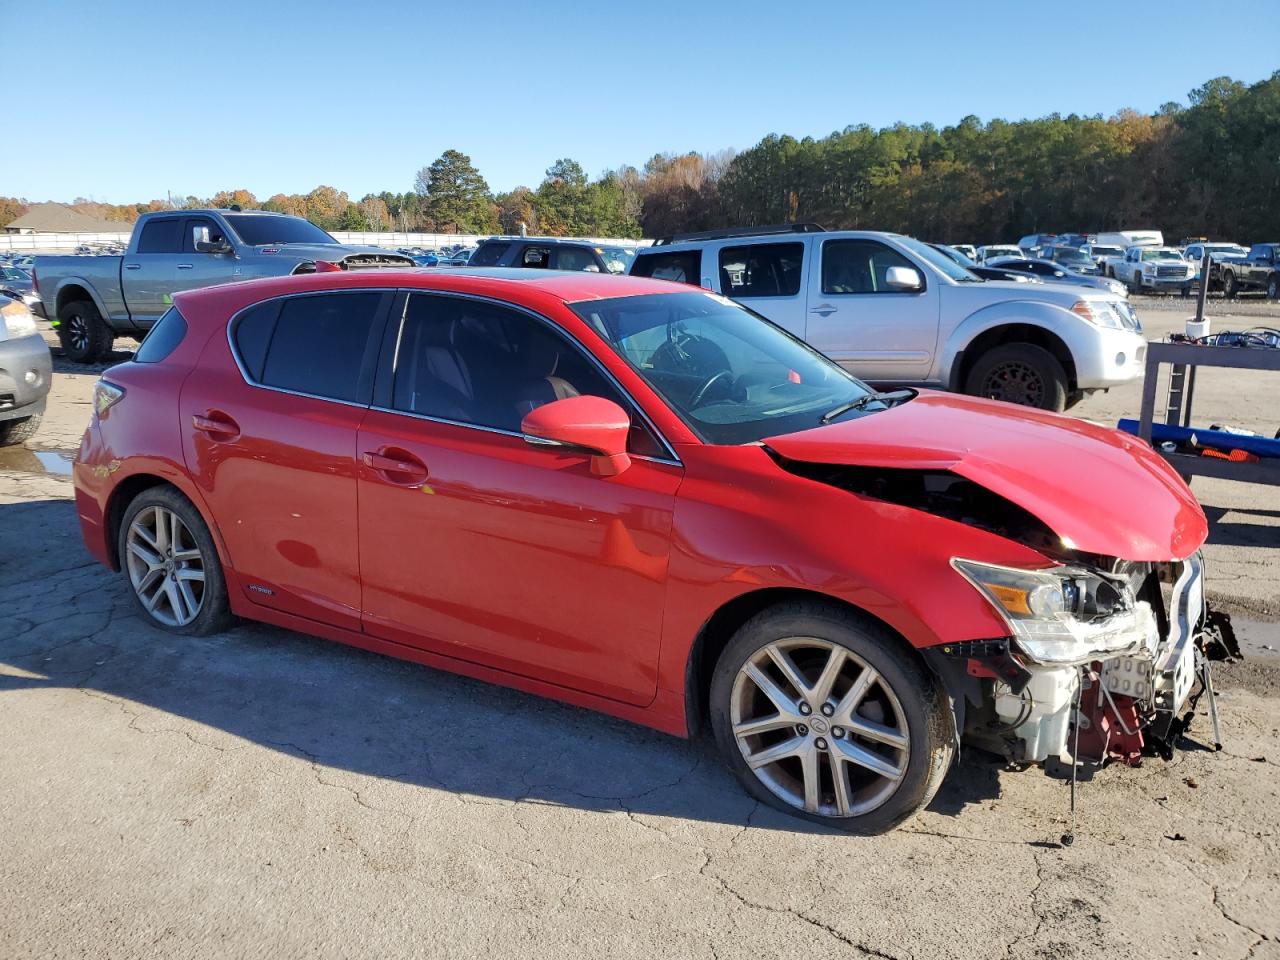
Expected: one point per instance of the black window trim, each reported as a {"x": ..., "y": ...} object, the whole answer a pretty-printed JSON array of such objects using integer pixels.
[
  {"x": 391, "y": 346},
  {"x": 180, "y": 219},
  {"x": 375, "y": 333}
]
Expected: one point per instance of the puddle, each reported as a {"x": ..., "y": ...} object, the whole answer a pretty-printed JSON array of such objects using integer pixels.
[{"x": 56, "y": 463}]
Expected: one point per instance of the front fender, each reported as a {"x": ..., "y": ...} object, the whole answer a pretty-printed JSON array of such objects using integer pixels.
[{"x": 1050, "y": 317}]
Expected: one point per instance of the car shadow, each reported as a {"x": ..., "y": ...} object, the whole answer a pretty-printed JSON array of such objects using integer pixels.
[
  {"x": 1242, "y": 532},
  {"x": 71, "y": 624}
]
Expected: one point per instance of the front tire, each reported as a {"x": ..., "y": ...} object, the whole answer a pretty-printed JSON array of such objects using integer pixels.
[
  {"x": 1273, "y": 288},
  {"x": 1020, "y": 373},
  {"x": 13, "y": 432},
  {"x": 1229, "y": 289},
  {"x": 84, "y": 335},
  {"x": 822, "y": 714},
  {"x": 169, "y": 558}
]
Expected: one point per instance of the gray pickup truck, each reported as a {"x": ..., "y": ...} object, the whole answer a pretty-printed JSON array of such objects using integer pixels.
[{"x": 92, "y": 300}]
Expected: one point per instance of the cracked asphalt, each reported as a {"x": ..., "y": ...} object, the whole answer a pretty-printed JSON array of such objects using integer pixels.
[{"x": 264, "y": 794}]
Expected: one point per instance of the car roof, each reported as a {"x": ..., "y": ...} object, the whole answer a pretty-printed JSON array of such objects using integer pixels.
[
  {"x": 739, "y": 239},
  {"x": 511, "y": 284},
  {"x": 555, "y": 241}
]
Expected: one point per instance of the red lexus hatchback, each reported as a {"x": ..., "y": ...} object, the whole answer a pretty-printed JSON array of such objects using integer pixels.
[{"x": 645, "y": 499}]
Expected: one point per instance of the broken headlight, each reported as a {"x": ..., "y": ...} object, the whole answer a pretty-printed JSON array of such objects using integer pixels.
[{"x": 1064, "y": 615}]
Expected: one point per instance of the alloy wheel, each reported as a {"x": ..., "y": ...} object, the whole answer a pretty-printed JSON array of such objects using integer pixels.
[
  {"x": 819, "y": 727},
  {"x": 1014, "y": 382},
  {"x": 78, "y": 334},
  {"x": 166, "y": 567}
]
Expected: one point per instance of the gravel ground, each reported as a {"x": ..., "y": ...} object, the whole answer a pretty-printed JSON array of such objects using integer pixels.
[{"x": 261, "y": 793}]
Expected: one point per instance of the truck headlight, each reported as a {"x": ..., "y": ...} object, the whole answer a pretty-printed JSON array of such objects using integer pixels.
[
  {"x": 1099, "y": 313},
  {"x": 1064, "y": 615},
  {"x": 16, "y": 318}
]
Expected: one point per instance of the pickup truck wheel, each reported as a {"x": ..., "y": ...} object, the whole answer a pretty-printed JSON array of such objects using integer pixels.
[
  {"x": 1020, "y": 373},
  {"x": 18, "y": 431},
  {"x": 822, "y": 714},
  {"x": 1229, "y": 285},
  {"x": 1273, "y": 288},
  {"x": 82, "y": 332}
]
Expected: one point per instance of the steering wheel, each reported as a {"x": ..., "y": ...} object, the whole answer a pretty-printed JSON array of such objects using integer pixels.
[{"x": 700, "y": 394}]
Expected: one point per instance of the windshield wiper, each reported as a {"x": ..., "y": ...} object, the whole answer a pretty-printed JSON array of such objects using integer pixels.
[{"x": 887, "y": 398}]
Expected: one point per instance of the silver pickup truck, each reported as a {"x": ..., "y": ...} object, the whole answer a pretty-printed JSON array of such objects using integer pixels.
[{"x": 92, "y": 300}]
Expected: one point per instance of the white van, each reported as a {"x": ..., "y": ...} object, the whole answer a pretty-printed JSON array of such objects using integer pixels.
[{"x": 1131, "y": 238}]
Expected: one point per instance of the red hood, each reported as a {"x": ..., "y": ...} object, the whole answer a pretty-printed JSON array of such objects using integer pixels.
[{"x": 1102, "y": 491}]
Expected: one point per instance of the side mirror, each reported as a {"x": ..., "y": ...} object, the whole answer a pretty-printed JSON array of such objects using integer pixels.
[
  {"x": 203, "y": 244},
  {"x": 592, "y": 424},
  {"x": 903, "y": 278}
]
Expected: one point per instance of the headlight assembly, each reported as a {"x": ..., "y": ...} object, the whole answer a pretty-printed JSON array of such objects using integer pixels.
[
  {"x": 16, "y": 319},
  {"x": 1064, "y": 615}
]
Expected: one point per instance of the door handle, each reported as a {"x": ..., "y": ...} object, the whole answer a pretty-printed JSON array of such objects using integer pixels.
[
  {"x": 823, "y": 310},
  {"x": 394, "y": 467},
  {"x": 133, "y": 266},
  {"x": 217, "y": 425},
  {"x": 184, "y": 266}
]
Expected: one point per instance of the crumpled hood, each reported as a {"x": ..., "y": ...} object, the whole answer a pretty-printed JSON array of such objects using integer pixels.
[
  {"x": 1100, "y": 490},
  {"x": 332, "y": 252}
]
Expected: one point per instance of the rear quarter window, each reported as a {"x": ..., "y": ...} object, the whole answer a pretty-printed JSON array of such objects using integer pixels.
[
  {"x": 488, "y": 254},
  {"x": 680, "y": 266},
  {"x": 163, "y": 338}
]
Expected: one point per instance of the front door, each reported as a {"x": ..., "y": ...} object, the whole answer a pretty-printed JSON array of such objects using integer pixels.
[
  {"x": 879, "y": 332},
  {"x": 269, "y": 435},
  {"x": 478, "y": 545}
]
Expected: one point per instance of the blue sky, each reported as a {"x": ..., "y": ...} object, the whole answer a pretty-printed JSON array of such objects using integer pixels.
[{"x": 123, "y": 101}]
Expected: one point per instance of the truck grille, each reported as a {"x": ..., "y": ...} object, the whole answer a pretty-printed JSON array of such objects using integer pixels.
[
  {"x": 1170, "y": 272},
  {"x": 375, "y": 261}
]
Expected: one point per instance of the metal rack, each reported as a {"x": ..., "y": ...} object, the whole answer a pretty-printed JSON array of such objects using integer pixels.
[{"x": 1184, "y": 359}]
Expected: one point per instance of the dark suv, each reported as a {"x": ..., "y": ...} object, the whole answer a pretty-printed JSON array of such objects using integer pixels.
[{"x": 552, "y": 253}]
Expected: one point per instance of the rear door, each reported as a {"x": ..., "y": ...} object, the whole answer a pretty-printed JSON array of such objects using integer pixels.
[
  {"x": 882, "y": 334},
  {"x": 269, "y": 434},
  {"x": 767, "y": 277},
  {"x": 150, "y": 275}
]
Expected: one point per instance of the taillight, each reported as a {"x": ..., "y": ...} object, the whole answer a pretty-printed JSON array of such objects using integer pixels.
[
  {"x": 325, "y": 266},
  {"x": 105, "y": 396}
]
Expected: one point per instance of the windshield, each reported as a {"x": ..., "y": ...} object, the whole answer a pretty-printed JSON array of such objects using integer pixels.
[
  {"x": 731, "y": 375},
  {"x": 259, "y": 230},
  {"x": 1225, "y": 248},
  {"x": 944, "y": 263},
  {"x": 1161, "y": 254},
  {"x": 1106, "y": 251},
  {"x": 617, "y": 259}
]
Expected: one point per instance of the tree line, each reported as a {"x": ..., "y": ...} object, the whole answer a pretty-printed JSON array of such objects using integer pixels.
[{"x": 1210, "y": 167}]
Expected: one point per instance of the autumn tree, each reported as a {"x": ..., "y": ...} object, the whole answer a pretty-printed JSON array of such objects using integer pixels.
[{"x": 225, "y": 199}]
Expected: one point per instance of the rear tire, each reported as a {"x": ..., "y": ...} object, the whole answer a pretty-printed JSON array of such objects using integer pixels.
[
  {"x": 882, "y": 724},
  {"x": 1273, "y": 288},
  {"x": 13, "y": 432},
  {"x": 1020, "y": 373},
  {"x": 84, "y": 335},
  {"x": 169, "y": 559},
  {"x": 1229, "y": 286}
]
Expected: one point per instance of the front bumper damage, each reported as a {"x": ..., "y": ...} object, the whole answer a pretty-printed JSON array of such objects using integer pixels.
[{"x": 1136, "y": 700}]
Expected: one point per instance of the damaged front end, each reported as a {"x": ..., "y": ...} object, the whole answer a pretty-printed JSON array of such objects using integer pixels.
[
  {"x": 1104, "y": 658},
  {"x": 1123, "y": 654}
]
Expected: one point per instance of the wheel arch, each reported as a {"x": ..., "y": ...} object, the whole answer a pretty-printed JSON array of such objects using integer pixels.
[
  {"x": 129, "y": 489},
  {"x": 719, "y": 628},
  {"x": 74, "y": 290},
  {"x": 1014, "y": 332}
]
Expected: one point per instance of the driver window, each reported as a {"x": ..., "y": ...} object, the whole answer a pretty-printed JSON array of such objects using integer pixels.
[
  {"x": 480, "y": 364},
  {"x": 536, "y": 258},
  {"x": 859, "y": 266},
  {"x": 193, "y": 228},
  {"x": 575, "y": 258}
]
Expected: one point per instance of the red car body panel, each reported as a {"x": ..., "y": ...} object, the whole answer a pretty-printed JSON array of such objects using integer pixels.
[
  {"x": 516, "y": 564},
  {"x": 1134, "y": 506}
]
